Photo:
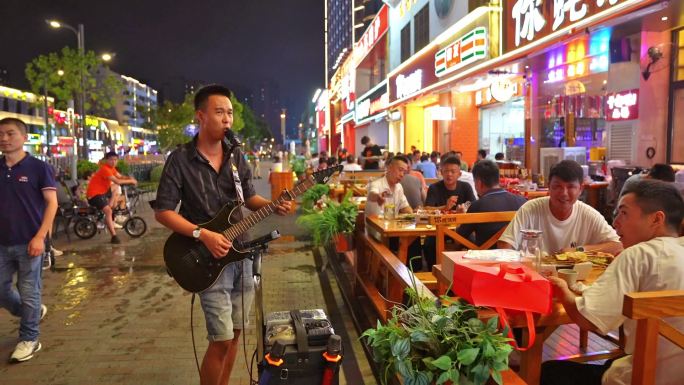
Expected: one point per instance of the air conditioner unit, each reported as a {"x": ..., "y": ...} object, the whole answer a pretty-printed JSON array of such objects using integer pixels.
[{"x": 552, "y": 155}]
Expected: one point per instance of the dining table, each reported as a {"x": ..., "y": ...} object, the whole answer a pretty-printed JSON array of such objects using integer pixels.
[
  {"x": 406, "y": 230},
  {"x": 545, "y": 324}
]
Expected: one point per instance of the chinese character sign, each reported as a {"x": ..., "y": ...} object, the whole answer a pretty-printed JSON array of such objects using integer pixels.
[
  {"x": 576, "y": 8},
  {"x": 623, "y": 105},
  {"x": 528, "y": 19}
]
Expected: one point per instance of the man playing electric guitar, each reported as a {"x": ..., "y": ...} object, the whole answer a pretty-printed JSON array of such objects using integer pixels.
[{"x": 202, "y": 175}]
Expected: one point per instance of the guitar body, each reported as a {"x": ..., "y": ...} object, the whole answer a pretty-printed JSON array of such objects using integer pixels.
[{"x": 191, "y": 264}]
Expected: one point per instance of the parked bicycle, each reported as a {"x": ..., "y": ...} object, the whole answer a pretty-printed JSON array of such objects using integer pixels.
[{"x": 91, "y": 220}]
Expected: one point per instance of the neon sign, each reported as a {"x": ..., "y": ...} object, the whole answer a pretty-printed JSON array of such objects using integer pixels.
[
  {"x": 579, "y": 58},
  {"x": 468, "y": 49},
  {"x": 623, "y": 105},
  {"x": 33, "y": 139},
  {"x": 372, "y": 103},
  {"x": 407, "y": 85}
]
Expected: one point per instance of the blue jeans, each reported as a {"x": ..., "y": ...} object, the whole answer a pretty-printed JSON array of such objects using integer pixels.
[
  {"x": 24, "y": 303},
  {"x": 222, "y": 302}
]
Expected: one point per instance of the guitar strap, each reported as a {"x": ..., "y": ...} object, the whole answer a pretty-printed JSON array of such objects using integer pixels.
[{"x": 236, "y": 177}]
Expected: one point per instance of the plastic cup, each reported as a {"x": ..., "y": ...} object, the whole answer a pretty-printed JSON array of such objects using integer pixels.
[{"x": 568, "y": 275}]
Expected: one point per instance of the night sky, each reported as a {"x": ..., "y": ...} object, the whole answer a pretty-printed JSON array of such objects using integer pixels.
[{"x": 164, "y": 42}]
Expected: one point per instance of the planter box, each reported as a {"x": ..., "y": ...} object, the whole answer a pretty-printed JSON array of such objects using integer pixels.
[{"x": 344, "y": 242}]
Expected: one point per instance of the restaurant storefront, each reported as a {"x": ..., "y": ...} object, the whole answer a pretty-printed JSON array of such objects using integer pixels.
[
  {"x": 437, "y": 114},
  {"x": 574, "y": 81},
  {"x": 583, "y": 88}
]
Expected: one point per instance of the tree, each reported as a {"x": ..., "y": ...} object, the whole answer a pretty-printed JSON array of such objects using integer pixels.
[
  {"x": 238, "y": 109},
  {"x": 101, "y": 87},
  {"x": 255, "y": 128},
  {"x": 172, "y": 120}
]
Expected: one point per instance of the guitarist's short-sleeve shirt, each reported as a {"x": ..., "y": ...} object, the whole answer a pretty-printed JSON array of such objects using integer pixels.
[{"x": 189, "y": 178}]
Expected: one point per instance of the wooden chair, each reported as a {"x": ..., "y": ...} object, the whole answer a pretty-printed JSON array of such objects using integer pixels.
[
  {"x": 649, "y": 309},
  {"x": 445, "y": 223}
]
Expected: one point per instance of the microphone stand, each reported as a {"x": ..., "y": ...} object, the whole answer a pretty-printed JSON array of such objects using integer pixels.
[{"x": 256, "y": 254}]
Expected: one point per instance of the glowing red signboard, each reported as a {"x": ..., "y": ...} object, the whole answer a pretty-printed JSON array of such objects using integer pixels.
[
  {"x": 623, "y": 105},
  {"x": 375, "y": 31}
]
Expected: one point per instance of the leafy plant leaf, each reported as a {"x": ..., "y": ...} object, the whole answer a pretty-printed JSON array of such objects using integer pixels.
[
  {"x": 481, "y": 373},
  {"x": 444, "y": 377},
  {"x": 401, "y": 348},
  {"x": 468, "y": 356},
  {"x": 404, "y": 368},
  {"x": 493, "y": 323},
  {"x": 496, "y": 375},
  {"x": 443, "y": 362}
]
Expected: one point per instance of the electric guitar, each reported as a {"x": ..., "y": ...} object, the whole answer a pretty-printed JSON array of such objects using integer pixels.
[{"x": 191, "y": 264}]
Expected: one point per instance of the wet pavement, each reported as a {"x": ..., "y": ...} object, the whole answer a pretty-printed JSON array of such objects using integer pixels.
[{"x": 115, "y": 316}]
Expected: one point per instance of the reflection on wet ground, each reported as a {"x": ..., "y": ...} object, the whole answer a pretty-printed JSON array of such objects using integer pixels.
[{"x": 116, "y": 317}]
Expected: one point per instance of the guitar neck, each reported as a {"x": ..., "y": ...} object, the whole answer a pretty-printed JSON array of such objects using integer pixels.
[{"x": 251, "y": 220}]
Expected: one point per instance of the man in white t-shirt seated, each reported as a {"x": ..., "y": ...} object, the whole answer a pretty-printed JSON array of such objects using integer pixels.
[
  {"x": 388, "y": 190},
  {"x": 351, "y": 165},
  {"x": 567, "y": 223},
  {"x": 648, "y": 218}
]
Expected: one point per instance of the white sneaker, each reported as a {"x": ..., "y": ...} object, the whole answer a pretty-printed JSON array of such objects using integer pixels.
[
  {"x": 43, "y": 311},
  {"x": 120, "y": 218},
  {"x": 25, "y": 351},
  {"x": 57, "y": 253},
  {"x": 117, "y": 226}
]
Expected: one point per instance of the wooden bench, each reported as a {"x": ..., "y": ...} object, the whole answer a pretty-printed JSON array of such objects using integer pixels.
[
  {"x": 649, "y": 309},
  {"x": 384, "y": 277}
]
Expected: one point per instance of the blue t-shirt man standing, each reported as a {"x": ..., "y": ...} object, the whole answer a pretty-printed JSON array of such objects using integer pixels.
[
  {"x": 428, "y": 168},
  {"x": 28, "y": 204}
]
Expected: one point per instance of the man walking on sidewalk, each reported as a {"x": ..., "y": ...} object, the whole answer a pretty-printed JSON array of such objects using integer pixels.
[{"x": 28, "y": 203}]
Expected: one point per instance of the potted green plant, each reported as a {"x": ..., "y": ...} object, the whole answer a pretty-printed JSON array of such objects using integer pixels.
[
  {"x": 335, "y": 221},
  {"x": 438, "y": 342},
  {"x": 298, "y": 166},
  {"x": 312, "y": 195}
]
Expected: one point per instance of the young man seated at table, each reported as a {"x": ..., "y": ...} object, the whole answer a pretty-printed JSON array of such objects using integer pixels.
[
  {"x": 648, "y": 218},
  {"x": 448, "y": 194},
  {"x": 388, "y": 190},
  {"x": 567, "y": 223},
  {"x": 492, "y": 198}
]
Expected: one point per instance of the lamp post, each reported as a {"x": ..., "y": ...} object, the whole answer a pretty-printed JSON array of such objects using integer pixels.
[
  {"x": 47, "y": 121},
  {"x": 282, "y": 133},
  {"x": 107, "y": 57},
  {"x": 80, "y": 36}
]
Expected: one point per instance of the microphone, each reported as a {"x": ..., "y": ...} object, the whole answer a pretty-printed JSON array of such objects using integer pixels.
[
  {"x": 231, "y": 138},
  {"x": 273, "y": 235}
]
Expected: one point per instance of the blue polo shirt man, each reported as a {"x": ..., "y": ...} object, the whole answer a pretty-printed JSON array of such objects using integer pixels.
[
  {"x": 492, "y": 198},
  {"x": 28, "y": 203}
]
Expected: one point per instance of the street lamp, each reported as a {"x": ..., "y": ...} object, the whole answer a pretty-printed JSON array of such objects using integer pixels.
[
  {"x": 80, "y": 36},
  {"x": 107, "y": 57}
]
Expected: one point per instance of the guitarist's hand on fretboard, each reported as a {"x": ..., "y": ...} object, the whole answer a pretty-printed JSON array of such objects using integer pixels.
[
  {"x": 284, "y": 208},
  {"x": 217, "y": 244}
]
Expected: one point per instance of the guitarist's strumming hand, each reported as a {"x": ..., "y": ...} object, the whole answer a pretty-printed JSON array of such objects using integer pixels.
[{"x": 217, "y": 244}]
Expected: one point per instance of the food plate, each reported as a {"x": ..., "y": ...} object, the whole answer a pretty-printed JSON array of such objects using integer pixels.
[{"x": 573, "y": 257}]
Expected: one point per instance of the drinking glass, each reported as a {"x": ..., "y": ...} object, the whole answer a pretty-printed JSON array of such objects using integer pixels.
[{"x": 531, "y": 248}]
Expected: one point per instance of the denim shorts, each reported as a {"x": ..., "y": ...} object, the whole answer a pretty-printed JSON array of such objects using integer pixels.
[{"x": 222, "y": 303}]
